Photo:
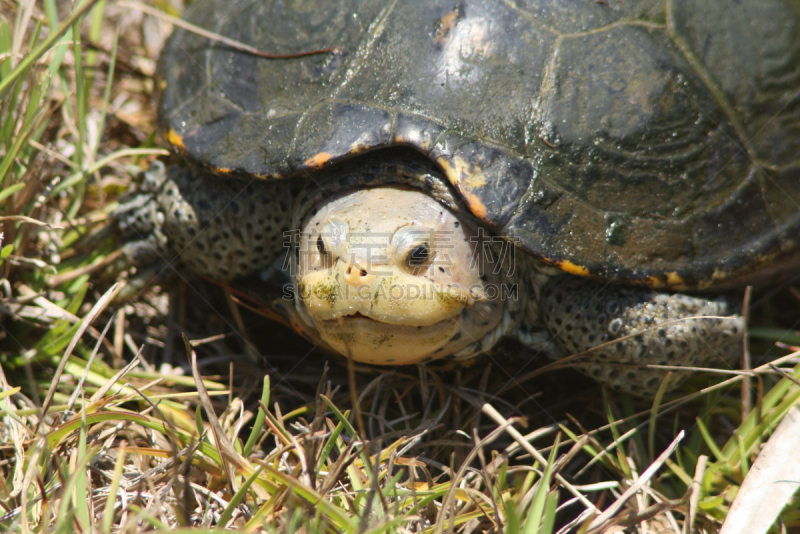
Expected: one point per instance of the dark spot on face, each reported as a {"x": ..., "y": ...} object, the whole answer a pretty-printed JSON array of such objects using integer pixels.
[
  {"x": 456, "y": 337},
  {"x": 662, "y": 333},
  {"x": 457, "y": 224}
]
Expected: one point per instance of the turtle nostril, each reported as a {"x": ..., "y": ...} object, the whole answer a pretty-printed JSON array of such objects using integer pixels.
[
  {"x": 363, "y": 272},
  {"x": 349, "y": 269}
]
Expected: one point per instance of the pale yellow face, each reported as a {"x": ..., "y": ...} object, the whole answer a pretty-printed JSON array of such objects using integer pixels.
[{"x": 389, "y": 276}]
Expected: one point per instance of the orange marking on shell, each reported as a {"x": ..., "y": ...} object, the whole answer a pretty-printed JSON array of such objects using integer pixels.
[
  {"x": 466, "y": 177},
  {"x": 418, "y": 142},
  {"x": 476, "y": 206},
  {"x": 445, "y": 25},
  {"x": 671, "y": 280},
  {"x": 222, "y": 170},
  {"x": 319, "y": 160},
  {"x": 676, "y": 281},
  {"x": 175, "y": 139},
  {"x": 569, "y": 267}
]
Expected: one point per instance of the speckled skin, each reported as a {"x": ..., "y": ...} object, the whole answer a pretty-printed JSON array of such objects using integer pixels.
[
  {"x": 638, "y": 326},
  {"x": 223, "y": 229},
  {"x": 226, "y": 229}
]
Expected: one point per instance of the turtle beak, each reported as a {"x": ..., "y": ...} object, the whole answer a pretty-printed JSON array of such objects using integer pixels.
[{"x": 387, "y": 294}]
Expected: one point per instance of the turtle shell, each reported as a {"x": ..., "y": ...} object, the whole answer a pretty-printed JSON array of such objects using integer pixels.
[{"x": 654, "y": 141}]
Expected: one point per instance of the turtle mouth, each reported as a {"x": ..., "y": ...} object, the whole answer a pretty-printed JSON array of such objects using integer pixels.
[
  {"x": 357, "y": 316},
  {"x": 370, "y": 340},
  {"x": 377, "y": 316}
]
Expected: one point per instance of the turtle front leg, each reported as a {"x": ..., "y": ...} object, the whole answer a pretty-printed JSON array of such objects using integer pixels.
[
  {"x": 221, "y": 228},
  {"x": 641, "y": 327}
]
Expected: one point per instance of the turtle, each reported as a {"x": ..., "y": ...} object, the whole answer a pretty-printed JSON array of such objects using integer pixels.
[{"x": 600, "y": 178}]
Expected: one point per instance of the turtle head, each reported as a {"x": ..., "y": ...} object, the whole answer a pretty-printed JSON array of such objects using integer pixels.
[{"x": 387, "y": 275}]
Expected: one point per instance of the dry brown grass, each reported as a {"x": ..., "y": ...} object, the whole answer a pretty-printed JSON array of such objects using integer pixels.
[{"x": 177, "y": 409}]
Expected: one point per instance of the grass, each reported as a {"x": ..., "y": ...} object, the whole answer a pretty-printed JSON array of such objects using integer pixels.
[{"x": 115, "y": 420}]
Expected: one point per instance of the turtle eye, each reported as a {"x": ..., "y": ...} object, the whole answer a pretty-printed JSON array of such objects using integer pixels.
[
  {"x": 330, "y": 238},
  {"x": 324, "y": 252},
  {"x": 419, "y": 255}
]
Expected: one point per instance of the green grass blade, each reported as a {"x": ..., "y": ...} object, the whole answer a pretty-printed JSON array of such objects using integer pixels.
[
  {"x": 29, "y": 59},
  {"x": 259, "y": 422}
]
